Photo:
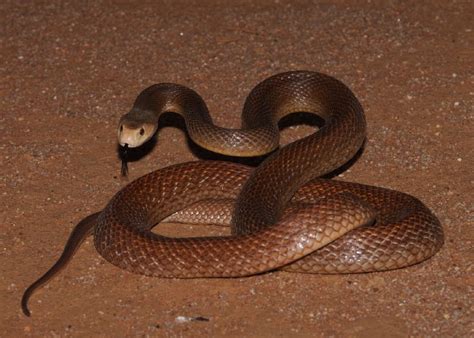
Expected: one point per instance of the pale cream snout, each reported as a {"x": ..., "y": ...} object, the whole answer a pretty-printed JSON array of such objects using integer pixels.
[{"x": 134, "y": 136}]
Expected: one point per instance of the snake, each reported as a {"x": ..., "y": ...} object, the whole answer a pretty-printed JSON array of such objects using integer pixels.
[{"x": 282, "y": 214}]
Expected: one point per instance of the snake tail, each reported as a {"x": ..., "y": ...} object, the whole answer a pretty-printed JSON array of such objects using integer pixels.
[{"x": 80, "y": 232}]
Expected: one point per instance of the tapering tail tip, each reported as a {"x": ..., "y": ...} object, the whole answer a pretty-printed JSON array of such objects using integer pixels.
[
  {"x": 83, "y": 229},
  {"x": 24, "y": 302}
]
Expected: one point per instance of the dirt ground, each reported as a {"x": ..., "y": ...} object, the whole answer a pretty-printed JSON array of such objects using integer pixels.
[{"x": 70, "y": 69}]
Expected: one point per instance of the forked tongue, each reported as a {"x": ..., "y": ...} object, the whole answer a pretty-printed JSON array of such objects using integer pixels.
[{"x": 123, "y": 157}]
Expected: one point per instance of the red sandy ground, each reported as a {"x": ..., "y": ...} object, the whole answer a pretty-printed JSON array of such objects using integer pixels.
[{"x": 70, "y": 70}]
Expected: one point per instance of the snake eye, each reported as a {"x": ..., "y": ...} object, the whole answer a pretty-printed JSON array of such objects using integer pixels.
[{"x": 142, "y": 131}]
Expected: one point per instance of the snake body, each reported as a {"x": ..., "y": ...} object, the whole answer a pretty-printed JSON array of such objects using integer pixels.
[{"x": 284, "y": 215}]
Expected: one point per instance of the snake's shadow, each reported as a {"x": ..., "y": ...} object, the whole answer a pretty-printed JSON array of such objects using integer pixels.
[{"x": 170, "y": 119}]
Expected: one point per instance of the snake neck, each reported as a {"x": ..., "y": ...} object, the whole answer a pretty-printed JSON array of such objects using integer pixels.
[{"x": 138, "y": 126}]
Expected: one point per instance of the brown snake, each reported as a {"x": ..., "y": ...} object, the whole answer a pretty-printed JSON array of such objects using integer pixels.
[{"x": 284, "y": 216}]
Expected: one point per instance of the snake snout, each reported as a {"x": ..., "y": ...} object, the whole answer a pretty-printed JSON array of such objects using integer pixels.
[{"x": 134, "y": 136}]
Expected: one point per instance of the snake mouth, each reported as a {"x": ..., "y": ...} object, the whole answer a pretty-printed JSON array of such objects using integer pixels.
[{"x": 127, "y": 145}]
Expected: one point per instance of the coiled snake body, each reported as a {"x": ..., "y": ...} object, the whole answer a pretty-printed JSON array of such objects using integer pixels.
[{"x": 284, "y": 216}]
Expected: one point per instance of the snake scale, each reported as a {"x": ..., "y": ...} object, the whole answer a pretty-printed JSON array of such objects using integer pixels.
[{"x": 284, "y": 215}]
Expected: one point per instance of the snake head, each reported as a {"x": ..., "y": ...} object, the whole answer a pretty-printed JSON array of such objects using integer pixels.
[{"x": 135, "y": 129}]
